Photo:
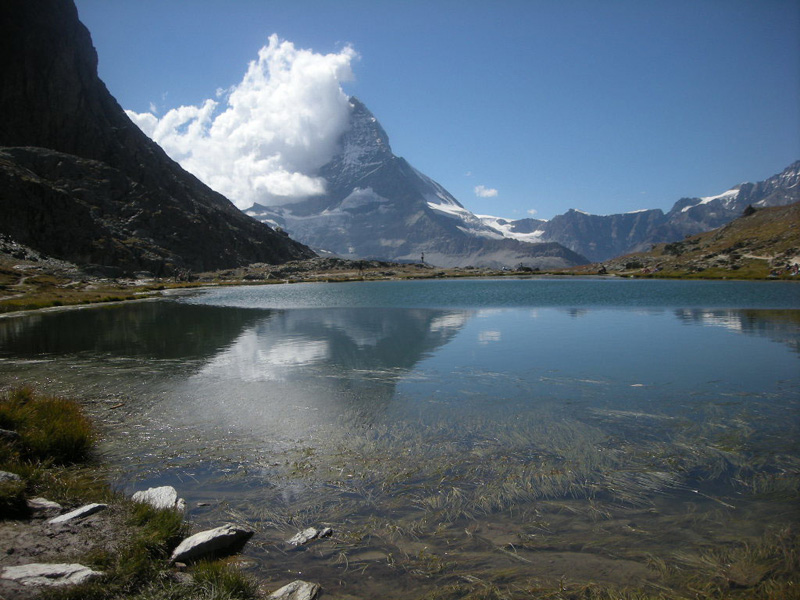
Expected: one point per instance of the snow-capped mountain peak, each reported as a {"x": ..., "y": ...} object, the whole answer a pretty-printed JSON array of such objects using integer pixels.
[
  {"x": 364, "y": 144},
  {"x": 376, "y": 205}
]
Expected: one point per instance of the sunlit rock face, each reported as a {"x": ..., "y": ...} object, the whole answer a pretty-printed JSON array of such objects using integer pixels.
[
  {"x": 600, "y": 237},
  {"x": 376, "y": 205}
]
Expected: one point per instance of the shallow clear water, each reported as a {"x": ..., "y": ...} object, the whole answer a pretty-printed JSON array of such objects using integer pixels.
[{"x": 442, "y": 426}]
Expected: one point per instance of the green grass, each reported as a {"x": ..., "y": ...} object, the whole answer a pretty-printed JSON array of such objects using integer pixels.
[
  {"x": 54, "y": 458},
  {"x": 52, "y": 454},
  {"x": 51, "y": 429}
]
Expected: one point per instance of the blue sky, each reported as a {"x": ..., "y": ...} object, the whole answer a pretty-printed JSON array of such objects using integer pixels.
[{"x": 605, "y": 106}]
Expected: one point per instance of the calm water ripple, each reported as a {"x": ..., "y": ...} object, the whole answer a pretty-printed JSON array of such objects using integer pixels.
[{"x": 449, "y": 429}]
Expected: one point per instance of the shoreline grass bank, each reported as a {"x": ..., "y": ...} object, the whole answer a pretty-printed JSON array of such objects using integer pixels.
[{"x": 50, "y": 445}]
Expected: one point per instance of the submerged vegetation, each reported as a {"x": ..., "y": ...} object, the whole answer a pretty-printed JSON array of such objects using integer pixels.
[
  {"x": 546, "y": 505},
  {"x": 558, "y": 492},
  {"x": 543, "y": 507}
]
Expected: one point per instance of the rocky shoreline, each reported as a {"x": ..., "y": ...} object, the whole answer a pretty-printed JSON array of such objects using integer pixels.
[
  {"x": 65, "y": 533},
  {"x": 43, "y": 552},
  {"x": 758, "y": 246}
]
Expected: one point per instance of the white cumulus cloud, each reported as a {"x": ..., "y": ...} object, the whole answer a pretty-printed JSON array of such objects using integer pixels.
[
  {"x": 532, "y": 212},
  {"x": 265, "y": 138},
  {"x": 481, "y": 191}
]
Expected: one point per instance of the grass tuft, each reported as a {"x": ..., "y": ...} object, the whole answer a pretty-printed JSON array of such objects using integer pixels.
[
  {"x": 221, "y": 581},
  {"x": 12, "y": 499},
  {"x": 51, "y": 429}
]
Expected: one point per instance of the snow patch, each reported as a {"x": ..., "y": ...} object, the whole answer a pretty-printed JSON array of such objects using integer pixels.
[
  {"x": 451, "y": 210},
  {"x": 505, "y": 228},
  {"x": 360, "y": 197},
  {"x": 728, "y": 197},
  {"x": 484, "y": 233}
]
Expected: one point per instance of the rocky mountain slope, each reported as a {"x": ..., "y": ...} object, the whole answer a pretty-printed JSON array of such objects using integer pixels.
[
  {"x": 760, "y": 243},
  {"x": 79, "y": 181},
  {"x": 601, "y": 237},
  {"x": 378, "y": 206}
]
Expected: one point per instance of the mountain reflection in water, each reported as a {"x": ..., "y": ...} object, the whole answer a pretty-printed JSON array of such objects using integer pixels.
[
  {"x": 444, "y": 431},
  {"x": 294, "y": 370}
]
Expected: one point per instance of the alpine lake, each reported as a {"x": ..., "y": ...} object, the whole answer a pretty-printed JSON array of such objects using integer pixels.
[{"x": 487, "y": 438}]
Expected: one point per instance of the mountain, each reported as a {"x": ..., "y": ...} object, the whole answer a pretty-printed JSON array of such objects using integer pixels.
[
  {"x": 601, "y": 237},
  {"x": 377, "y": 205},
  {"x": 81, "y": 182},
  {"x": 759, "y": 243}
]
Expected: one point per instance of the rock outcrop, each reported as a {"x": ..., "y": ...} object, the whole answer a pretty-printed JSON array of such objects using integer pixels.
[{"x": 81, "y": 182}]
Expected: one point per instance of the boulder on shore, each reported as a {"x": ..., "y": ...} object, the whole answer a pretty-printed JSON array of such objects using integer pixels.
[
  {"x": 164, "y": 497},
  {"x": 222, "y": 540},
  {"x": 49, "y": 574},
  {"x": 6, "y": 476},
  {"x": 78, "y": 513},
  {"x": 12, "y": 437},
  {"x": 43, "y": 505}
]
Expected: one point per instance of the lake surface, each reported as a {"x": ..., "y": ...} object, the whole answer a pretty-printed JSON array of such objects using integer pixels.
[{"x": 497, "y": 433}]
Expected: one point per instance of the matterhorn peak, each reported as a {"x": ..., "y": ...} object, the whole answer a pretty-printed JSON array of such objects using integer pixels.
[
  {"x": 376, "y": 205},
  {"x": 364, "y": 144}
]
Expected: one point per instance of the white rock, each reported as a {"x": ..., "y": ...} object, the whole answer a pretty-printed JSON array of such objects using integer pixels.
[
  {"x": 49, "y": 574},
  {"x": 43, "y": 504},
  {"x": 297, "y": 590},
  {"x": 160, "y": 497},
  {"x": 78, "y": 513},
  {"x": 223, "y": 538},
  {"x": 308, "y": 535},
  {"x": 6, "y": 476},
  {"x": 303, "y": 537}
]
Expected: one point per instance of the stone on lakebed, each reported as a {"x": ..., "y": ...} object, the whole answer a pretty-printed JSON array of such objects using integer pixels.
[
  {"x": 309, "y": 535},
  {"x": 297, "y": 590}
]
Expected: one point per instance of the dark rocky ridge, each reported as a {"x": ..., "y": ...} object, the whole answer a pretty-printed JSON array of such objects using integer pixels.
[{"x": 81, "y": 182}]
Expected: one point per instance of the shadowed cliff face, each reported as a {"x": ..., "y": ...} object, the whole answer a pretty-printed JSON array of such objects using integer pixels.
[{"x": 80, "y": 181}]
